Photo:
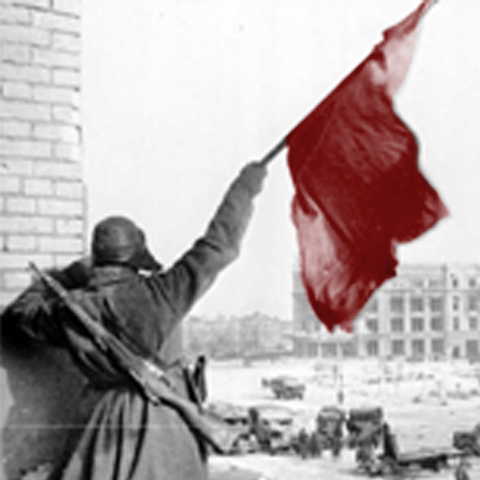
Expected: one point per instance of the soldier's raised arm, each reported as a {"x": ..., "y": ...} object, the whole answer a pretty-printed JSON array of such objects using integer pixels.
[{"x": 189, "y": 278}]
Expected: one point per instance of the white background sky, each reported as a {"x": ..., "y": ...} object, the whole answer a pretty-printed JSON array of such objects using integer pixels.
[{"x": 178, "y": 95}]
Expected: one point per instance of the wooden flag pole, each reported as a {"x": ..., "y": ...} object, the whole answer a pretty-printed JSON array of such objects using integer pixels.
[{"x": 273, "y": 152}]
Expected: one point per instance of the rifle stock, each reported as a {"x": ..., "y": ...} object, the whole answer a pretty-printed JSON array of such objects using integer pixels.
[{"x": 148, "y": 376}]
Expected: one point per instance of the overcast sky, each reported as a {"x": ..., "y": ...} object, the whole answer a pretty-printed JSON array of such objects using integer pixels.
[{"x": 179, "y": 95}]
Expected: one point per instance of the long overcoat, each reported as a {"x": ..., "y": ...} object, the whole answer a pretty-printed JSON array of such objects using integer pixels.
[{"x": 127, "y": 437}]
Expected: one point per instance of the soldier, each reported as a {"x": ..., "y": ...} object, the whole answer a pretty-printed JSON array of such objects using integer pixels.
[
  {"x": 461, "y": 470},
  {"x": 315, "y": 444},
  {"x": 260, "y": 430},
  {"x": 125, "y": 289},
  {"x": 199, "y": 377},
  {"x": 390, "y": 446},
  {"x": 303, "y": 443},
  {"x": 390, "y": 452}
]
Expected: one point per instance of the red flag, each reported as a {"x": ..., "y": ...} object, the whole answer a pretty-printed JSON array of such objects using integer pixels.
[{"x": 358, "y": 189}]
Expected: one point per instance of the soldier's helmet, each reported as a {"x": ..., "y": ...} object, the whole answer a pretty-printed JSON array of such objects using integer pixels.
[{"x": 117, "y": 240}]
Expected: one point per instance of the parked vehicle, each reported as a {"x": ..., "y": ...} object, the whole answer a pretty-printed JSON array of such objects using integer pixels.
[
  {"x": 468, "y": 441},
  {"x": 329, "y": 429},
  {"x": 368, "y": 431},
  {"x": 268, "y": 428},
  {"x": 285, "y": 387},
  {"x": 364, "y": 426}
]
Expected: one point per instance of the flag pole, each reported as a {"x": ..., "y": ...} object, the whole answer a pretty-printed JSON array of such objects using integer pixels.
[{"x": 273, "y": 152}]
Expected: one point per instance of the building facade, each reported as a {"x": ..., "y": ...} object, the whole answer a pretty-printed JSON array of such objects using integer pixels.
[
  {"x": 256, "y": 335},
  {"x": 425, "y": 312},
  {"x": 42, "y": 213},
  {"x": 42, "y": 195}
]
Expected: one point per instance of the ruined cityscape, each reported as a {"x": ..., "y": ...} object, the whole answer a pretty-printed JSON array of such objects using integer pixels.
[
  {"x": 412, "y": 357},
  {"x": 428, "y": 312},
  {"x": 398, "y": 397}
]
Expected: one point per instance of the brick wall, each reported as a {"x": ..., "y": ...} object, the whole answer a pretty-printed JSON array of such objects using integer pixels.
[
  {"x": 42, "y": 205},
  {"x": 42, "y": 201}
]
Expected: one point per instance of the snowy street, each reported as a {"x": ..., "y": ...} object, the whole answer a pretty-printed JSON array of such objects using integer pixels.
[{"x": 424, "y": 404}]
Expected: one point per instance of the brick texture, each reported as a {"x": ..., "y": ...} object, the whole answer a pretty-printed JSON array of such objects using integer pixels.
[{"x": 42, "y": 217}]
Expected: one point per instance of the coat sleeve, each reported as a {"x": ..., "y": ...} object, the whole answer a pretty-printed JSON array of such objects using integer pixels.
[
  {"x": 188, "y": 279},
  {"x": 36, "y": 311}
]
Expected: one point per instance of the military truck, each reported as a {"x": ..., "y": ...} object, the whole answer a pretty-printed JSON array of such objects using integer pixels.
[
  {"x": 285, "y": 387},
  {"x": 468, "y": 441},
  {"x": 264, "y": 427},
  {"x": 364, "y": 426},
  {"x": 329, "y": 426}
]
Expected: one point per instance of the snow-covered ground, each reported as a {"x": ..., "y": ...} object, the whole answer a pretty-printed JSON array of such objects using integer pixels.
[{"x": 424, "y": 403}]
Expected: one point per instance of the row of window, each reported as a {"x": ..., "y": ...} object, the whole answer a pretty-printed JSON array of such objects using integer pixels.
[
  {"x": 472, "y": 282},
  {"x": 418, "y": 348},
  {"x": 419, "y": 304},
  {"x": 400, "y": 324},
  {"x": 417, "y": 324}
]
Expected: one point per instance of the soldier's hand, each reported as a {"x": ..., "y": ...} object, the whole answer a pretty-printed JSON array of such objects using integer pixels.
[{"x": 253, "y": 175}]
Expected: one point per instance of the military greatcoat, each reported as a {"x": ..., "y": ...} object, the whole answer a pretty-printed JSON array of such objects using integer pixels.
[{"x": 126, "y": 436}]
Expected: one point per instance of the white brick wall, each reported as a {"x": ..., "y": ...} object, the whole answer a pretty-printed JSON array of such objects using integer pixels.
[
  {"x": 15, "y": 52},
  {"x": 52, "y": 21},
  {"x": 57, "y": 169},
  {"x": 21, "y": 204},
  {"x": 14, "y": 15},
  {"x": 24, "y": 224},
  {"x": 25, "y": 148},
  {"x": 9, "y": 184},
  {"x": 34, "y": 3},
  {"x": 41, "y": 189},
  {"x": 21, "y": 243},
  {"x": 10, "y": 167},
  {"x": 38, "y": 186},
  {"x": 14, "y": 128},
  {"x": 66, "y": 42}
]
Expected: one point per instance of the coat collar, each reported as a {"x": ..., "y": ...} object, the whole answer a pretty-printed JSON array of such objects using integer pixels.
[{"x": 107, "y": 275}]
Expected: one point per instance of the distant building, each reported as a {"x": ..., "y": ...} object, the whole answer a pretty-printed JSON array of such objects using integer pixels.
[
  {"x": 254, "y": 335},
  {"x": 425, "y": 312}
]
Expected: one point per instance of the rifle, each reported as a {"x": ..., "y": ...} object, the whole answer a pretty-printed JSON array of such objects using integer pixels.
[{"x": 147, "y": 375}]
